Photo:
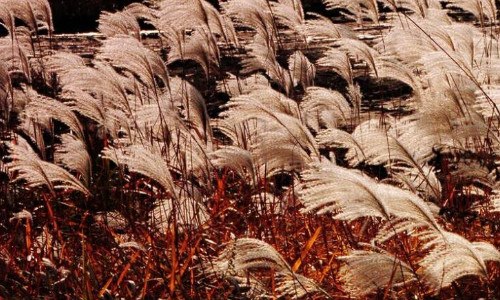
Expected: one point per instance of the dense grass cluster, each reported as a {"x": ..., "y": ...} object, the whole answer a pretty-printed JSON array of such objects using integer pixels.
[{"x": 260, "y": 152}]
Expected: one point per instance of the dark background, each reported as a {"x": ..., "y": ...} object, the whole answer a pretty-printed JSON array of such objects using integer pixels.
[{"x": 81, "y": 15}]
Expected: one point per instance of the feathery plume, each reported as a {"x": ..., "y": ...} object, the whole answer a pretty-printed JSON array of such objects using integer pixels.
[
  {"x": 350, "y": 195},
  {"x": 454, "y": 257},
  {"x": 142, "y": 160},
  {"x": 28, "y": 167},
  {"x": 43, "y": 109},
  {"x": 72, "y": 154},
  {"x": 364, "y": 272},
  {"x": 322, "y": 28},
  {"x": 325, "y": 108},
  {"x": 301, "y": 69},
  {"x": 481, "y": 9},
  {"x": 128, "y": 53},
  {"x": 234, "y": 158},
  {"x": 359, "y": 8},
  {"x": 119, "y": 23}
]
